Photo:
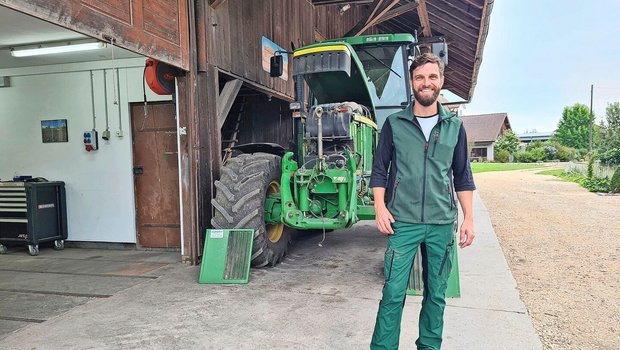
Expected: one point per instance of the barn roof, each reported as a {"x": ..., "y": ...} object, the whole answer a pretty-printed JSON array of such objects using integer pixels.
[
  {"x": 463, "y": 23},
  {"x": 485, "y": 127}
]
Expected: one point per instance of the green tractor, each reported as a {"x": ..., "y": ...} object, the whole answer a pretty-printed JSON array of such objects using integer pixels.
[{"x": 354, "y": 85}]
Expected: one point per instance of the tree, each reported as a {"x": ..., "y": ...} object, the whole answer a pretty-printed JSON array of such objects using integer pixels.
[
  {"x": 613, "y": 115},
  {"x": 508, "y": 141},
  {"x": 610, "y": 133},
  {"x": 574, "y": 127}
]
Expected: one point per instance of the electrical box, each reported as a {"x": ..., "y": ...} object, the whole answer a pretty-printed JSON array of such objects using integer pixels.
[
  {"x": 91, "y": 140},
  {"x": 5, "y": 82}
]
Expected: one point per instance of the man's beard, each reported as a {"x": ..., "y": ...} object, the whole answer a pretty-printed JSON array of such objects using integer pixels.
[{"x": 426, "y": 101}]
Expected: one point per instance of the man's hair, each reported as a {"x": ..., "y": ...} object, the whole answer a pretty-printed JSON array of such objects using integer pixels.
[{"x": 424, "y": 59}]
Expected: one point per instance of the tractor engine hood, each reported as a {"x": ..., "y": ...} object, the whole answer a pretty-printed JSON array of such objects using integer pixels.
[{"x": 333, "y": 73}]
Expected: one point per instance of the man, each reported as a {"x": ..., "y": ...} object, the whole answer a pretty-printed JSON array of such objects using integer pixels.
[{"x": 421, "y": 150}]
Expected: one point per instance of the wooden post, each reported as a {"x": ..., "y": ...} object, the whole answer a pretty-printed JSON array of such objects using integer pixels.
[{"x": 210, "y": 144}]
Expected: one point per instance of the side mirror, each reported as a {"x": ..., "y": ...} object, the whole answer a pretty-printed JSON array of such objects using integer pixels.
[
  {"x": 276, "y": 66},
  {"x": 441, "y": 51}
]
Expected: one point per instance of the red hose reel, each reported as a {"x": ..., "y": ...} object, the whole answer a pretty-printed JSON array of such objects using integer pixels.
[{"x": 160, "y": 76}]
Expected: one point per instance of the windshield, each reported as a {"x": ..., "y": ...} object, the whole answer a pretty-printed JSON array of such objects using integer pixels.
[{"x": 384, "y": 67}]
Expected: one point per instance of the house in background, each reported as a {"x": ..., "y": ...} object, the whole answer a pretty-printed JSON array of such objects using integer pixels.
[
  {"x": 528, "y": 137},
  {"x": 454, "y": 107},
  {"x": 482, "y": 132}
]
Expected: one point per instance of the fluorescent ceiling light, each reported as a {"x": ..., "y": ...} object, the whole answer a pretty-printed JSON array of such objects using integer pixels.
[{"x": 49, "y": 50}]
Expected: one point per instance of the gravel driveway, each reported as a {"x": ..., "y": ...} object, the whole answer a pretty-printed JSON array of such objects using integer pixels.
[{"x": 562, "y": 244}]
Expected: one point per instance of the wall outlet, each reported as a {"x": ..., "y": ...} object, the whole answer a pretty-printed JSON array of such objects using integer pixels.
[
  {"x": 119, "y": 133},
  {"x": 91, "y": 140}
]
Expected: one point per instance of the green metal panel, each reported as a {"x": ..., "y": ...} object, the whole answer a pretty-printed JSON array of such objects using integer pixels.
[
  {"x": 416, "y": 283},
  {"x": 226, "y": 256},
  {"x": 366, "y": 212},
  {"x": 376, "y": 39}
]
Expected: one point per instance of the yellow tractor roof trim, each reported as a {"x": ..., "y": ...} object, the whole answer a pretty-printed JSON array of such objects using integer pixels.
[
  {"x": 365, "y": 120},
  {"x": 322, "y": 49}
]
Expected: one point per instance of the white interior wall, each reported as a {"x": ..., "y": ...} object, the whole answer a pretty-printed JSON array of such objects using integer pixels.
[{"x": 99, "y": 184}]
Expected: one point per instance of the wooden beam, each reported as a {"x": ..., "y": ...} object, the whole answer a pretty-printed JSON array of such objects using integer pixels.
[
  {"x": 337, "y": 2},
  {"x": 484, "y": 27},
  {"x": 459, "y": 9},
  {"x": 376, "y": 5},
  {"x": 475, "y": 4},
  {"x": 374, "y": 10},
  {"x": 454, "y": 18},
  {"x": 201, "y": 36},
  {"x": 215, "y": 3},
  {"x": 226, "y": 99},
  {"x": 424, "y": 22},
  {"x": 210, "y": 144},
  {"x": 189, "y": 151},
  {"x": 374, "y": 20},
  {"x": 398, "y": 11}
]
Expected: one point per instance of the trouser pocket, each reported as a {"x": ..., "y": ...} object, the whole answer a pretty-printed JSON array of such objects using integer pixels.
[{"x": 446, "y": 263}]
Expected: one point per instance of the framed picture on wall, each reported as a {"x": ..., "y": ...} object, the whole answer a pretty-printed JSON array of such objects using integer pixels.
[{"x": 54, "y": 130}]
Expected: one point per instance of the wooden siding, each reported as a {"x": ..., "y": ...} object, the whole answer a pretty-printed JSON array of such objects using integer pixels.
[
  {"x": 153, "y": 28},
  {"x": 235, "y": 28}
]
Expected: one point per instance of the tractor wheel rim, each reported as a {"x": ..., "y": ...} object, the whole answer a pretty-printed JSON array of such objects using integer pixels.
[{"x": 274, "y": 231}]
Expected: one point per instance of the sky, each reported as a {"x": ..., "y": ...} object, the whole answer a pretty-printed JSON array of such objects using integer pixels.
[{"x": 543, "y": 55}]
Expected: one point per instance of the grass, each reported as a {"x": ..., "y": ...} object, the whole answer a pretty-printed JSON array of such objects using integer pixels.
[
  {"x": 592, "y": 185},
  {"x": 554, "y": 172},
  {"x": 484, "y": 167}
]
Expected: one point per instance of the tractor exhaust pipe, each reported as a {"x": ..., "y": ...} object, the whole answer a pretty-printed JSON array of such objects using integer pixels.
[{"x": 319, "y": 113}]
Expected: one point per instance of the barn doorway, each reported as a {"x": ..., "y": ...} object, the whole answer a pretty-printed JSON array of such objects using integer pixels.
[{"x": 156, "y": 175}]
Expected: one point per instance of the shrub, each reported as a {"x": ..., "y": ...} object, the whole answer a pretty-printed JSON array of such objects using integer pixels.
[
  {"x": 534, "y": 145},
  {"x": 502, "y": 156},
  {"x": 610, "y": 157},
  {"x": 614, "y": 184},
  {"x": 508, "y": 141},
  {"x": 596, "y": 184},
  {"x": 531, "y": 156},
  {"x": 580, "y": 154},
  {"x": 564, "y": 153},
  {"x": 539, "y": 154},
  {"x": 523, "y": 157},
  {"x": 551, "y": 152}
]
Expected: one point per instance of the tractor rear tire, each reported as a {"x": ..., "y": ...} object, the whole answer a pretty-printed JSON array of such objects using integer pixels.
[{"x": 245, "y": 181}]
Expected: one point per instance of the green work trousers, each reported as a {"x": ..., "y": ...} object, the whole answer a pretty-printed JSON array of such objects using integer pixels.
[{"x": 399, "y": 254}]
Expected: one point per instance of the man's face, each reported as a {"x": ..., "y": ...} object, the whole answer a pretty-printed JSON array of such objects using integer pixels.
[{"x": 426, "y": 83}]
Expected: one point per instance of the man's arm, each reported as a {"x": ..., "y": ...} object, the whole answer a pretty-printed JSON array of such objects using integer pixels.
[
  {"x": 467, "y": 228},
  {"x": 464, "y": 187},
  {"x": 383, "y": 217},
  {"x": 379, "y": 179}
]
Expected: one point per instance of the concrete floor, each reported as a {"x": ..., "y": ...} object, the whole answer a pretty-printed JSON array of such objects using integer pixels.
[{"x": 319, "y": 298}]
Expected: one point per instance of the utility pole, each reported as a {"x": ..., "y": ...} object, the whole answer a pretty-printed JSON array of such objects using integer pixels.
[{"x": 591, "y": 119}]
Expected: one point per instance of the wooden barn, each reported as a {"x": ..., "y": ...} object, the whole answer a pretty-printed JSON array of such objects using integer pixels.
[{"x": 150, "y": 181}]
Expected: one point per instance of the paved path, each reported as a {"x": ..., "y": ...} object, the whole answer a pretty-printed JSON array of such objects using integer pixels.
[{"x": 320, "y": 298}]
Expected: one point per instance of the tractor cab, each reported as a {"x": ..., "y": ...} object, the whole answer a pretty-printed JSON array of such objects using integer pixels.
[{"x": 369, "y": 70}]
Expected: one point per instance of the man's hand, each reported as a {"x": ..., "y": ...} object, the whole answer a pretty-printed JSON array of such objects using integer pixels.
[
  {"x": 384, "y": 220},
  {"x": 467, "y": 233}
]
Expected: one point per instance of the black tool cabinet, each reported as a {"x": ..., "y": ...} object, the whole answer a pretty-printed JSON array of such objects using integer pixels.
[{"x": 32, "y": 213}]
